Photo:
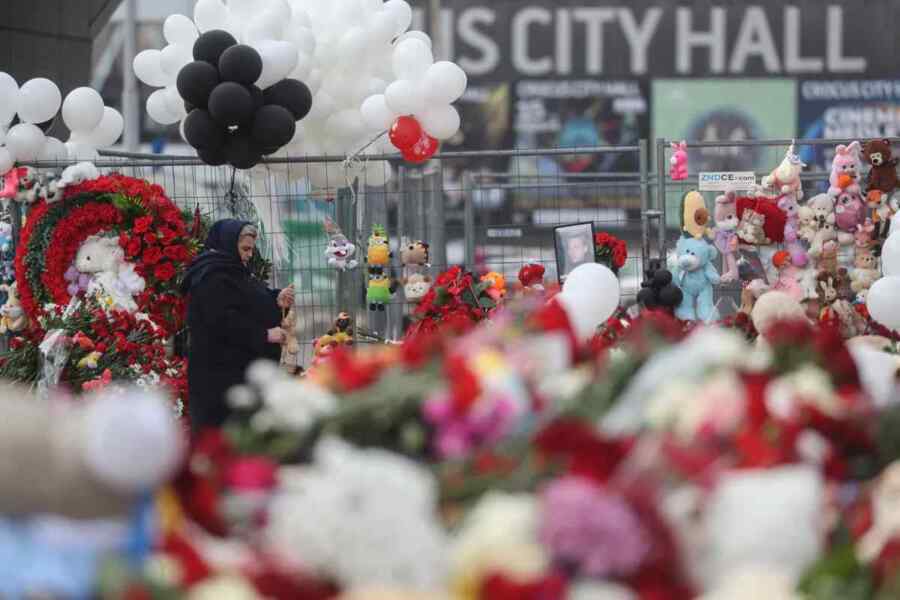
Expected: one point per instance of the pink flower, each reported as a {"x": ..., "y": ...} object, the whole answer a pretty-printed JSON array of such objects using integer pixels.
[
  {"x": 591, "y": 528},
  {"x": 458, "y": 433}
]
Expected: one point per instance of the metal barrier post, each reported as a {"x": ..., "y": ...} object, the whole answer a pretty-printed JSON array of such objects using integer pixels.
[
  {"x": 661, "y": 174},
  {"x": 643, "y": 161},
  {"x": 468, "y": 221},
  {"x": 437, "y": 234}
]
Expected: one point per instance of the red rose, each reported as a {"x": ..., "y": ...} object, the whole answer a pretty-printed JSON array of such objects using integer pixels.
[
  {"x": 143, "y": 224},
  {"x": 152, "y": 255},
  {"x": 179, "y": 253},
  {"x": 167, "y": 235},
  {"x": 133, "y": 248},
  {"x": 149, "y": 238},
  {"x": 164, "y": 272}
]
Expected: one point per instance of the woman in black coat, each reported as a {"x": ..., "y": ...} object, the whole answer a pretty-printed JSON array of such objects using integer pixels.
[{"x": 233, "y": 320}]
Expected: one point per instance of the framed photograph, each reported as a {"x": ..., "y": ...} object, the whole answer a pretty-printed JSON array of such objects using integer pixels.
[{"x": 574, "y": 247}]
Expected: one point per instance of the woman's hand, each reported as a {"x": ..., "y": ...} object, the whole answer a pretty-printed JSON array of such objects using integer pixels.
[
  {"x": 286, "y": 297},
  {"x": 277, "y": 335}
]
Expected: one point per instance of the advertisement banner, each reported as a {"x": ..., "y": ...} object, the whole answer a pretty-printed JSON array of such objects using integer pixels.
[{"x": 724, "y": 182}]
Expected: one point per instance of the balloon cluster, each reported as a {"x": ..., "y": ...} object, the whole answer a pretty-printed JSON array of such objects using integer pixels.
[
  {"x": 407, "y": 135},
  {"x": 35, "y": 106},
  {"x": 232, "y": 120},
  {"x": 658, "y": 290},
  {"x": 883, "y": 298},
  {"x": 363, "y": 68}
]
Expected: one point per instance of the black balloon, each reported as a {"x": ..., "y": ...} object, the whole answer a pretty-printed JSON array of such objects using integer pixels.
[
  {"x": 210, "y": 46},
  {"x": 213, "y": 156},
  {"x": 670, "y": 296},
  {"x": 661, "y": 278},
  {"x": 230, "y": 104},
  {"x": 241, "y": 152},
  {"x": 188, "y": 107},
  {"x": 241, "y": 64},
  {"x": 273, "y": 126},
  {"x": 259, "y": 99},
  {"x": 291, "y": 94},
  {"x": 196, "y": 81},
  {"x": 202, "y": 131}
]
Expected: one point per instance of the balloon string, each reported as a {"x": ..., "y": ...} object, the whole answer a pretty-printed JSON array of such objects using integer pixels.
[{"x": 352, "y": 160}]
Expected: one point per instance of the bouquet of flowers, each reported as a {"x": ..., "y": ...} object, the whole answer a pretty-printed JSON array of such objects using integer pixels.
[
  {"x": 457, "y": 300},
  {"x": 610, "y": 251}
]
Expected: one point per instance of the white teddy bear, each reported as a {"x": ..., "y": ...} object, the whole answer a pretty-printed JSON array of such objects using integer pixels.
[
  {"x": 112, "y": 276},
  {"x": 72, "y": 175}
]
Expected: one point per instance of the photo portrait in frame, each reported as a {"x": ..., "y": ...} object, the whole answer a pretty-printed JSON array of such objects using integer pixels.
[{"x": 574, "y": 247}]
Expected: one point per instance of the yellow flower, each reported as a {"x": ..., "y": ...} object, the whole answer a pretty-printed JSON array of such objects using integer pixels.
[
  {"x": 489, "y": 362},
  {"x": 90, "y": 361}
]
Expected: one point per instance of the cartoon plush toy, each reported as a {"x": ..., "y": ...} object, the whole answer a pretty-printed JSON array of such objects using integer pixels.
[
  {"x": 726, "y": 239},
  {"x": 113, "y": 279},
  {"x": 678, "y": 171},
  {"x": 696, "y": 277},
  {"x": 788, "y": 276},
  {"x": 882, "y": 177},
  {"x": 845, "y": 170},
  {"x": 378, "y": 254},
  {"x": 12, "y": 316},
  {"x": 784, "y": 180},
  {"x": 694, "y": 215},
  {"x": 849, "y": 212},
  {"x": 866, "y": 270},
  {"x": 883, "y": 208},
  {"x": 416, "y": 286},
  {"x": 340, "y": 250},
  {"x": 342, "y": 329},
  {"x": 863, "y": 238},
  {"x": 380, "y": 290},
  {"x": 788, "y": 204},
  {"x": 414, "y": 257}
]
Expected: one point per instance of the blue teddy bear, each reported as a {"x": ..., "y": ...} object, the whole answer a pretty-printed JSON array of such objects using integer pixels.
[{"x": 696, "y": 277}]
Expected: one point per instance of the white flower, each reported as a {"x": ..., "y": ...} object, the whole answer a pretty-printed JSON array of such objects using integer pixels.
[
  {"x": 363, "y": 517},
  {"x": 223, "y": 588},
  {"x": 241, "y": 397},
  {"x": 686, "y": 407},
  {"x": 755, "y": 583},
  {"x": 810, "y": 385},
  {"x": 263, "y": 372}
]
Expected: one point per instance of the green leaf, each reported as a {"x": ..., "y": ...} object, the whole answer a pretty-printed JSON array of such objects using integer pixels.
[{"x": 487, "y": 303}]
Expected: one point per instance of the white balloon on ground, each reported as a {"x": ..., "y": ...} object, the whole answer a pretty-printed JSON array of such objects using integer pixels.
[
  {"x": 411, "y": 59},
  {"x": 7, "y": 160},
  {"x": 54, "y": 150},
  {"x": 158, "y": 109},
  {"x": 173, "y": 57},
  {"x": 82, "y": 109},
  {"x": 210, "y": 14},
  {"x": 25, "y": 142},
  {"x": 444, "y": 82},
  {"x": 376, "y": 114},
  {"x": 148, "y": 69},
  {"x": 404, "y": 97},
  {"x": 441, "y": 122},
  {"x": 278, "y": 60},
  {"x": 39, "y": 100},
  {"x": 402, "y": 12},
  {"x": 883, "y": 302},
  {"x": 590, "y": 296},
  {"x": 108, "y": 131},
  {"x": 178, "y": 29},
  {"x": 81, "y": 151},
  {"x": 890, "y": 255},
  {"x": 9, "y": 98}
]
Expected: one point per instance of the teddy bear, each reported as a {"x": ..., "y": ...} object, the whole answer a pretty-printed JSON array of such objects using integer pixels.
[
  {"x": 784, "y": 180},
  {"x": 882, "y": 177},
  {"x": 863, "y": 238},
  {"x": 414, "y": 256},
  {"x": 807, "y": 224},
  {"x": 696, "y": 277},
  {"x": 113, "y": 279},
  {"x": 845, "y": 170},
  {"x": 837, "y": 309},
  {"x": 726, "y": 239},
  {"x": 751, "y": 229},
  {"x": 290, "y": 348},
  {"x": 788, "y": 204},
  {"x": 12, "y": 316},
  {"x": 416, "y": 286},
  {"x": 822, "y": 205},
  {"x": 849, "y": 212},
  {"x": 828, "y": 257},
  {"x": 866, "y": 270}
]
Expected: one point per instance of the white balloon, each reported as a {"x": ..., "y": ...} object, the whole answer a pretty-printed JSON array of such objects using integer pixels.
[
  {"x": 404, "y": 97},
  {"x": 402, "y": 12},
  {"x": 382, "y": 28},
  {"x": 148, "y": 69},
  {"x": 174, "y": 102},
  {"x": 300, "y": 16},
  {"x": 376, "y": 114},
  {"x": 314, "y": 81},
  {"x": 173, "y": 57},
  {"x": 210, "y": 14},
  {"x": 418, "y": 35},
  {"x": 158, "y": 109},
  {"x": 7, "y": 160},
  {"x": 376, "y": 173},
  {"x": 25, "y": 142},
  {"x": 243, "y": 9},
  {"x": 54, "y": 150},
  {"x": 278, "y": 59},
  {"x": 178, "y": 29},
  {"x": 322, "y": 107},
  {"x": 346, "y": 125},
  {"x": 411, "y": 59},
  {"x": 376, "y": 86},
  {"x": 883, "y": 302},
  {"x": 82, "y": 109},
  {"x": 590, "y": 296},
  {"x": 302, "y": 37},
  {"x": 890, "y": 255},
  {"x": 3, "y": 136},
  {"x": 39, "y": 100},
  {"x": 9, "y": 98},
  {"x": 267, "y": 26},
  {"x": 441, "y": 122},
  {"x": 353, "y": 44},
  {"x": 108, "y": 131},
  {"x": 81, "y": 151},
  {"x": 444, "y": 82},
  {"x": 303, "y": 69}
]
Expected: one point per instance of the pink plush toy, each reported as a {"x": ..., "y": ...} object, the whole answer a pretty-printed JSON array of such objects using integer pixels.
[
  {"x": 788, "y": 203},
  {"x": 726, "y": 239},
  {"x": 788, "y": 276},
  {"x": 864, "y": 235},
  {"x": 845, "y": 170},
  {"x": 679, "y": 169},
  {"x": 849, "y": 213}
]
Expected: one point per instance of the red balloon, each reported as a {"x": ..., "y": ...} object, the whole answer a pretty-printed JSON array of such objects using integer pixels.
[
  {"x": 405, "y": 133},
  {"x": 423, "y": 149}
]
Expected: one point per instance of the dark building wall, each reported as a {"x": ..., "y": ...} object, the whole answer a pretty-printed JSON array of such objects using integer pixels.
[{"x": 51, "y": 38}]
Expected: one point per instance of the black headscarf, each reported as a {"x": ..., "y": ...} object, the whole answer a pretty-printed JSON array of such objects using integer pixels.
[{"x": 220, "y": 253}]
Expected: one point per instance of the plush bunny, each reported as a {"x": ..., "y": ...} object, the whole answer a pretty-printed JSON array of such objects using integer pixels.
[
  {"x": 12, "y": 316},
  {"x": 788, "y": 204},
  {"x": 826, "y": 233},
  {"x": 726, "y": 239},
  {"x": 76, "y": 174},
  {"x": 845, "y": 170},
  {"x": 678, "y": 171},
  {"x": 340, "y": 250},
  {"x": 113, "y": 278}
]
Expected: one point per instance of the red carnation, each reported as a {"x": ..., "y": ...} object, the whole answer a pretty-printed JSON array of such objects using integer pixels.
[
  {"x": 167, "y": 235},
  {"x": 164, "y": 272},
  {"x": 152, "y": 255},
  {"x": 149, "y": 238},
  {"x": 133, "y": 248},
  {"x": 143, "y": 224},
  {"x": 179, "y": 253}
]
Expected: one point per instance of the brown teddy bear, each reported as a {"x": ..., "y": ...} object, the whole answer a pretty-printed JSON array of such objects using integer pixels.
[{"x": 883, "y": 171}]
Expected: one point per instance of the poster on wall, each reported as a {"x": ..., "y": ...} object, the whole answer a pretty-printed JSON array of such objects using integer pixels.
[{"x": 856, "y": 109}]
